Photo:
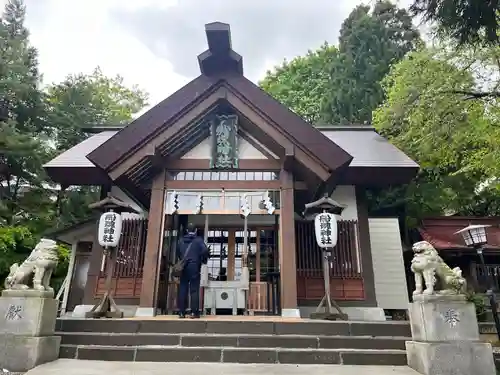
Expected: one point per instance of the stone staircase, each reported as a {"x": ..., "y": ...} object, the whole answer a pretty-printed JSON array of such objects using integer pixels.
[{"x": 231, "y": 341}]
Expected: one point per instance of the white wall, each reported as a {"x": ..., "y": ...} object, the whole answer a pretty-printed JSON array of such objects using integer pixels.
[
  {"x": 346, "y": 194},
  {"x": 245, "y": 150},
  {"x": 120, "y": 194},
  {"x": 388, "y": 266}
]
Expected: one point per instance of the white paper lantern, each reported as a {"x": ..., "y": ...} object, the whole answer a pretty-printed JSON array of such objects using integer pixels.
[
  {"x": 110, "y": 229},
  {"x": 325, "y": 229}
]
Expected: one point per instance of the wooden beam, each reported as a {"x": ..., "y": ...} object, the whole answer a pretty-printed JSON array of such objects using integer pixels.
[
  {"x": 204, "y": 164},
  {"x": 247, "y": 137},
  {"x": 227, "y": 185},
  {"x": 194, "y": 115},
  {"x": 289, "y": 159},
  {"x": 317, "y": 167},
  {"x": 156, "y": 159},
  {"x": 134, "y": 191}
]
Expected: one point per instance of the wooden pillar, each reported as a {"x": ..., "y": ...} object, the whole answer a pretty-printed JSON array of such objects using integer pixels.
[
  {"x": 365, "y": 249},
  {"x": 231, "y": 254},
  {"x": 288, "y": 268},
  {"x": 154, "y": 240},
  {"x": 257, "y": 257}
]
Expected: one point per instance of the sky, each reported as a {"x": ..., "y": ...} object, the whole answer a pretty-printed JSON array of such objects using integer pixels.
[{"x": 154, "y": 43}]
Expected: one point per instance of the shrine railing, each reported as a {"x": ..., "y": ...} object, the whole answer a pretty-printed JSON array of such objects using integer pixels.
[
  {"x": 492, "y": 273},
  {"x": 345, "y": 265},
  {"x": 345, "y": 260},
  {"x": 127, "y": 275}
]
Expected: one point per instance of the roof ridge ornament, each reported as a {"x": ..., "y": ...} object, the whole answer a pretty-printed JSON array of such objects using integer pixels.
[{"x": 219, "y": 58}]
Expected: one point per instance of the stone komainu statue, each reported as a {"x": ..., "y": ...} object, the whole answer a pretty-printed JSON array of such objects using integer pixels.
[
  {"x": 40, "y": 264},
  {"x": 430, "y": 268}
]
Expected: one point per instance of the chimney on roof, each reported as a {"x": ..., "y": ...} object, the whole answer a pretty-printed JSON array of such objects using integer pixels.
[{"x": 219, "y": 58}]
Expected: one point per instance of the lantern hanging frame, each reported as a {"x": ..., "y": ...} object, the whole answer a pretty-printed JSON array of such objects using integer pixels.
[{"x": 326, "y": 205}]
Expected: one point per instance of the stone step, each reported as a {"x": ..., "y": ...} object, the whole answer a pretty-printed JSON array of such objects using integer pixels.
[
  {"x": 233, "y": 340},
  {"x": 296, "y": 327},
  {"x": 235, "y": 355}
]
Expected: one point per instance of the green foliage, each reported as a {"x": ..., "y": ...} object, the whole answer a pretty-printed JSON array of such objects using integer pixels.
[
  {"x": 342, "y": 85},
  {"x": 21, "y": 159},
  {"x": 466, "y": 21},
  {"x": 16, "y": 244},
  {"x": 30, "y": 117},
  {"x": 35, "y": 125},
  {"x": 480, "y": 306},
  {"x": 369, "y": 43},
  {"x": 22, "y": 139},
  {"x": 81, "y": 101},
  {"x": 441, "y": 106},
  {"x": 301, "y": 83},
  {"x": 62, "y": 267},
  {"x": 74, "y": 205},
  {"x": 76, "y": 104},
  {"x": 454, "y": 140}
]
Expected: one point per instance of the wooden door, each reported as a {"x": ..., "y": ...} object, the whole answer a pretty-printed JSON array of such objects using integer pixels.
[{"x": 79, "y": 277}]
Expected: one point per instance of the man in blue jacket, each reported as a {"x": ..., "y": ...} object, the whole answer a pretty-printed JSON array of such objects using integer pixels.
[{"x": 193, "y": 250}]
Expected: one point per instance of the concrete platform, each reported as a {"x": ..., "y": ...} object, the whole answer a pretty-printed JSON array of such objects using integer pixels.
[{"x": 80, "y": 367}]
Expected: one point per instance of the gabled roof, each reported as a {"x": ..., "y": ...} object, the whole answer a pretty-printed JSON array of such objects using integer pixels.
[
  {"x": 145, "y": 126},
  {"x": 72, "y": 166},
  {"x": 368, "y": 148},
  {"x": 160, "y": 117},
  {"x": 175, "y": 124},
  {"x": 76, "y": 156}
]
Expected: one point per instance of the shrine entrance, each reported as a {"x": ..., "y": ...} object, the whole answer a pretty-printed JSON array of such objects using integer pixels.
[
  {"x": 225, "y": 267},
  {"x": 233, "y": 285}
]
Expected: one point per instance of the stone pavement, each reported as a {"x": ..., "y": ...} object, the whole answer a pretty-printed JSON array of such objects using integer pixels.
[{"x": 81, "y": 367}]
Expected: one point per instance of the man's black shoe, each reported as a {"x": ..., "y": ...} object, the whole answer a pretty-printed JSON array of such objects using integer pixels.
[
  {"x": 194, "y": 316},
  {"x": 182, "y": 316}
]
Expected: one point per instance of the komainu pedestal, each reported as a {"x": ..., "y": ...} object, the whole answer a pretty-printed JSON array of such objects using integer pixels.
[
  {"x": 445, "y": 338},
  {"x": 445, "y": 333},
  {"x": 28, "y": 315},
  {"x": 27, "y": 329}
]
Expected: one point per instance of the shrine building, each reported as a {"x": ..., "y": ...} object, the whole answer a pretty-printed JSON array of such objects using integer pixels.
[{"x": 194, "y": 158}]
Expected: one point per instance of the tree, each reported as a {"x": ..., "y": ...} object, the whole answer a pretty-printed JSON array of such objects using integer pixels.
[
  {"x": 342, "y": 85},
  {"x": 369, "y": 44},
  {"x": 21, "y": 98},
  {"x": 23, "y": 193},
  {"x": 34, "y": 126},
  {"x": 81, "y": 101},
  {"x": 15, "y": 245},
  {"x": 465, "y": 21},
  {"x": 453, "y": 140},
  {"x": 22, "y": 120},
  {"x": 77, "y": 103},
  {"x": 301, "y": 83},
  {"x": 33, "y": 121},
  {"x": 483, "y": 62}
]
